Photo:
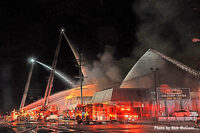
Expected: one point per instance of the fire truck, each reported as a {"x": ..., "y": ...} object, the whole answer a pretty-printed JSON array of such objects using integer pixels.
[
  {"x": 43, "y": 113},
  {"x": 47, "y": 109},
  {"x": 100, "y": 112},
  {"x": 17, "y": 115},
  {"x": 14, "y": 115}
]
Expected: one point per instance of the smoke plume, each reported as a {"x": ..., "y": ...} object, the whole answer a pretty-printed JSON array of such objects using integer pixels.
[
  {"x": 6, "y": 88},
  {"x": 104, "y": 72},
  {"x": 167, "y": 26}
]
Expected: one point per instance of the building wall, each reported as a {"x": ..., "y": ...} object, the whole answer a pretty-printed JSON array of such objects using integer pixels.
[
  {"x": 71, "y": 103},
  {"x": 173, "y": 77}
]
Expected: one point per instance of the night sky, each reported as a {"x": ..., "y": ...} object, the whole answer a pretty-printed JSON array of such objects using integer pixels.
[{"x": 124, "y": 30}]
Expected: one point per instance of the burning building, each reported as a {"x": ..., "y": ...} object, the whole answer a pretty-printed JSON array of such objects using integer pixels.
[
  {"x": 61, "y": 99},
  {"x": 156, "y": 72}
]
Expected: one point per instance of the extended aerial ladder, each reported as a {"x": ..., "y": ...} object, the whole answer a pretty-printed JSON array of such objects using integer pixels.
[
  {"x": 76, "y": 55},
  {"x": 20, "y": 114},
  {"x": 46, "y": 110},
  {"x": 51, "y": 76},
  {"x": 82, "y": 70},
  {"x": 179, "y": 64},
  {"x": 45, "y": 106},
  {"x": 27, "y": 86}
]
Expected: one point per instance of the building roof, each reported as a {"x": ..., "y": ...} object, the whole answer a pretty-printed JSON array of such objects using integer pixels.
[
  {"x": 121, "y": 94},
  {"x": 60, "y": 97},
  {"x": 169, "y": 70}
]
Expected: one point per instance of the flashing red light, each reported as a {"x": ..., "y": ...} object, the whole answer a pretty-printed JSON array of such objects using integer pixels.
[
  {"x": 111, "y": 115},
  {"x": 128, "y": 109},
  {"x": 135, "y": 116}
]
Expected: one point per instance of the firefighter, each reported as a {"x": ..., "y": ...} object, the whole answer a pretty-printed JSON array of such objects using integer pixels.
[
  {"x": 78, "y": 119},
  {"x": 87, "y": 118}
]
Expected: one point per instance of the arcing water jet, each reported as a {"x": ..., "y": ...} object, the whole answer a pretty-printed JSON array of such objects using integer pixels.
[
  {"x": 66, "y": 79},
  {"x": 76, "y": 55}
]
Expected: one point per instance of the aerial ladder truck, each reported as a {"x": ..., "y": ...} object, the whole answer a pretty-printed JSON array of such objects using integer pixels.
[
  {"x": 46, "y": 109},
  {"x": 21, "y": 114}
]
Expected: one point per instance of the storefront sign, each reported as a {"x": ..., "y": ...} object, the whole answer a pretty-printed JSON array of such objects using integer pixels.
[{"x": 173, "y": 94}]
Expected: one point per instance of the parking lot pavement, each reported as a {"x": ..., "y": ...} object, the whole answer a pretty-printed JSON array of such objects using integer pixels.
[
  {"x": 156, "y": 122},
  {"x": 140, "y": 122},
  {"x": 115, "y": 127}
]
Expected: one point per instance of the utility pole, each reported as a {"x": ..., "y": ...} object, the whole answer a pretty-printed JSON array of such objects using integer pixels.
[
  {"x": 82, "y": 72},
  {"x": 81, "y": 75},
  {"x": 155, "y": 87}
]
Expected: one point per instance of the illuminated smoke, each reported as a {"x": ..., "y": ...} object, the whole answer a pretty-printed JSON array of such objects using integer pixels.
[
  {"x": 58, "y": 73},
  {"x": 104, "y": 72},
  {"x": 168, "y": 26},
  {"x": 6, "y": 88}
]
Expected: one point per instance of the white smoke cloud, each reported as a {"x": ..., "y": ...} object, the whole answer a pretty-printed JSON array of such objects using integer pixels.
[
  {"x": 167, "y": 26},
  {"x": 104, "y": 72}
]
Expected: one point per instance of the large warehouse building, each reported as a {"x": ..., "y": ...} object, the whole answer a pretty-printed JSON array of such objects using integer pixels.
[{"x": 156, "y": 73}]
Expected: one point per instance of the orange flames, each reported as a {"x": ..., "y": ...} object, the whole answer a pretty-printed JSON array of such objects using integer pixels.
[{"x": 88, "y": 90}]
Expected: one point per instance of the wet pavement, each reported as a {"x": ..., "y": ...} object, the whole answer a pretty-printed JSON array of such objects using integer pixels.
[{"x": 72, "y": 127}]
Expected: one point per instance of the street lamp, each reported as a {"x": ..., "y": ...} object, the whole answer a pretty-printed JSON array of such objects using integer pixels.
[{"x": 155, "y": 70}]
